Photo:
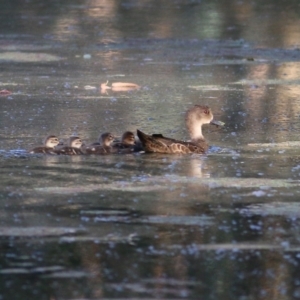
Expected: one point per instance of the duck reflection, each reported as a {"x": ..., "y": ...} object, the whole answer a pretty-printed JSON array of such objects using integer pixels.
[{"x": 198, "y": 168}]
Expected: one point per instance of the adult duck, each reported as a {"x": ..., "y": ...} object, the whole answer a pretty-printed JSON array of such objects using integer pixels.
[{"x": 194, "y": 119}]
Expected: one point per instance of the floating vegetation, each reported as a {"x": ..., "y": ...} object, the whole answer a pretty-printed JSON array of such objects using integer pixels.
[
  {"x": 119, "y": 87},
  {"x": 4, "y": 93}
]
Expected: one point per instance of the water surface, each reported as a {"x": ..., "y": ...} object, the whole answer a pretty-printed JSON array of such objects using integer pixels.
[{"x": 221, "y": 225}]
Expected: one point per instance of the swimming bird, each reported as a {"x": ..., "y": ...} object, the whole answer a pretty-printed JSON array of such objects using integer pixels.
[
  {"x": 50, "y": 143},
  {"x": 194, "y": 119},
  {"x": 99, "y": 141},
  {"x": 74, "y": 147},
  {"x": 128, "y": 139},
  {"x": 104, "y": 146},
  {"x": 128, "y": 144}
]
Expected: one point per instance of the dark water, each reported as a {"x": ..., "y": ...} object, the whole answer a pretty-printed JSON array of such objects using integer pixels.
[{"x": 220, "y": 226}]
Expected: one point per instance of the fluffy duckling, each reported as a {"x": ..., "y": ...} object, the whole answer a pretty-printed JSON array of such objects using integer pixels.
[
  {"x": 74, "y": 147},
  {"x": 50, "y": 143},
  {"x": 104, "y": 146},
  {"x": 128, "y": 143}
]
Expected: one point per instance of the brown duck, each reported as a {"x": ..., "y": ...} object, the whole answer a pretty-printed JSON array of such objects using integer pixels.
[
  {"x": 50, "y": 143},
  {"x": 101, "y": 139},
  {"x": 74, "y": 147},
  {"x": 104, "y": 146},
  {"x": 194, "y": 119},
  {"x": 128, "y": 144}
]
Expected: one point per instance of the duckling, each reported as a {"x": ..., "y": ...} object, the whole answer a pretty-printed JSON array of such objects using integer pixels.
[
  {"x": 98, "y": 143},
  {"x": 127, "y": 140},
  {"x": 194, "y": 119},
  {"x": 128, "y": 144},
  {"x": 50, "y": 143},
  {"x": 104, "y": 146},
  {"x": 74, "y": 147}
]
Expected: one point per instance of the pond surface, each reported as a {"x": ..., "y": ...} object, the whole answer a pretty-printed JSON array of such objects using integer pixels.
[{"x": 225, "y": 225}]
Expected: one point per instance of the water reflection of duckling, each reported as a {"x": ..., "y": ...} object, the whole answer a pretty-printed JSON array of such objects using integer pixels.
[
  {"x": 50, "y": 143},
  {"x": 104, "y": 146},
  {"x": 195, "y": 118},
  {"x": 73, "y": 148}
]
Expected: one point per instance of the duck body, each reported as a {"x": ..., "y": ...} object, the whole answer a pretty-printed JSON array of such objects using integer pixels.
[
  {"x": 157, "y": 143},
  {"x": 99, "y": 150},
  {"x": 194, "y": 119},
  {"x": 50, "y": 143},
  {"x": 42, "y": 150},
  {"x": 68, "y": 151}
]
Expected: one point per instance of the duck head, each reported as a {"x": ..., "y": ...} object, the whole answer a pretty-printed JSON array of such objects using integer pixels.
[
  {"x": 51, "y": 141},
  {"x": 197, "y": 116},
  {"x": 75, "y": 142},
  {"x": 128, "y": 138},
  {"x": 106, "y": 139}
]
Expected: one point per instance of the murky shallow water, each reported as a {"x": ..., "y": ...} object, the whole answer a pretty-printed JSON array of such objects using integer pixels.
[{"x": 223, "y": 225}]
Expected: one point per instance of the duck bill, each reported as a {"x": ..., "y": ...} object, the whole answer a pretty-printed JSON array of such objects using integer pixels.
[{"x": 217, "y": 123}]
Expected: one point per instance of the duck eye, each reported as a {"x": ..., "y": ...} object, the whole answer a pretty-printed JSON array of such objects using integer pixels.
[{"x": 206, "y": 111}]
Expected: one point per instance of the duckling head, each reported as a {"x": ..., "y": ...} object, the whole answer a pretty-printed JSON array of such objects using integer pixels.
[
  {"x": 106, "y": 139},
  {"x": 75, "y": 142},
  {"x": 128, "y": 138},
  {"x": 51, "y": 141}
]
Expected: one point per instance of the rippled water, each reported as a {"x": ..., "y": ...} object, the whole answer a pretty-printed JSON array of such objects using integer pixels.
[{"x": 219, "y": 226}]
